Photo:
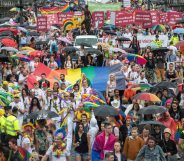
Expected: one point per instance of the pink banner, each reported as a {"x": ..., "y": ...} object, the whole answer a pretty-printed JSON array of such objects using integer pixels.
[
  {"x": 163, "y": 17},
  {"x": 142, "y": 16},
  {"x": 64, "y": 16},
  {"x": 51, "y": 20},
  {"x": 123, "y": 18},
  {"x": 41, "y": 23},
  {"x": 98, "y": 19},
  {"x": 173, "y": 17}
]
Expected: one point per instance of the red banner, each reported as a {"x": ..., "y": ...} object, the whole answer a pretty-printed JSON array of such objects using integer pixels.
[
  {"x": 123, "y": 18},
  {"x": 42, "y": 23},
  {"x": 154, "y": 18},
  {"x": 64, "y": 16},
  {"x": 142, "y": 16},
  {"x": 51, "y": 20},
  {"x": 174, "y": 17},
  {"x": 163, "y": 17},
  {"x": 98, "y": 19}
]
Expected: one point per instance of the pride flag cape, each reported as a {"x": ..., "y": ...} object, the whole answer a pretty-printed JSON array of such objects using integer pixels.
[{"x": 98, "y": 76}]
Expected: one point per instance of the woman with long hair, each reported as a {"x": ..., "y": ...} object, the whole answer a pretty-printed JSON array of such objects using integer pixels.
[
  {"x": 68, "y": 63},
  {"x": 35, "y": 105},
  {"x": 150, "y": 68},
  {"x": 55, "y": 86},
  {"x": 25, "y": 98},
  {"x": 111, "y": 86},
  {"x": 81, "y": 144},
  {"x": 135, "y": 45}
]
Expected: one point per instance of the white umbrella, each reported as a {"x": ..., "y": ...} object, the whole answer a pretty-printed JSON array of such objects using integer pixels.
[
  {"x": 22, "y": 29},
  {"x": 9, "y": 49}
]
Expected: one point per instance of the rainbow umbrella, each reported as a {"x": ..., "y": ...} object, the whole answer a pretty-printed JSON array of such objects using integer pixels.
[
  {"x": 137, "y": 58},
  {"x": 21, "y": 57},
  {"x": 159, "y": 27},
  {"x": 147, "y": 97},
  {"x": 142, "y": 86}
]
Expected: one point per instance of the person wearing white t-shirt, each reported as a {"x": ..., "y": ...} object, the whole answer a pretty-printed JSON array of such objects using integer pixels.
[
  {"x": 23, "y": 77},
  {"x": 20, "y": 106},
  {"x": 34, "y": 64},
  {"x": 114, "y": 61},
  {"x": 141, "y": 79},
  {"x": 57, "y": 151}
]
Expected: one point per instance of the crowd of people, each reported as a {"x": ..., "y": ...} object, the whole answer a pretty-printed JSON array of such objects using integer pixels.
[{"x": 50, "y": 122}]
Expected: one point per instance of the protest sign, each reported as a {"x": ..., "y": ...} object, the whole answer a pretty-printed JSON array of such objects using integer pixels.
[
  {"x": 144, "y": 41},
  {"x": 98, "y": 19},
  {"x": 41, "y": 23},
  {"x": 173, "y": 17},
  {"x": 123, "y": 18},
  {"x": 163, "y": 17},
  {"x": 142, "y": 16},
  {"x": 63, "y": 16},
  {"x": 51, "y": 19}
]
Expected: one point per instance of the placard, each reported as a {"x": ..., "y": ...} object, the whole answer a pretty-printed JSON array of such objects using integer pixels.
[
  {"x": 98, "y": 19},
  {"x": 123, "y": 18},
  {"x": 142, "y": 16},
  {"x": 51, "y": 20},
  {"x": 174, "y": 17},
  {"x": 41, "y": 23},
  {"x": 163, "y": 17},
  {"x": 63, "y": 16}
]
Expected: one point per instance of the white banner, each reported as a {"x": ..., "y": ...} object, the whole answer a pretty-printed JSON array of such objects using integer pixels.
[{"x": 144, "y": 41}]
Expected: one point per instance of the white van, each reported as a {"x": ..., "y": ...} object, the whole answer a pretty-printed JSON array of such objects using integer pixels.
[{"x": 88, "y": 39}]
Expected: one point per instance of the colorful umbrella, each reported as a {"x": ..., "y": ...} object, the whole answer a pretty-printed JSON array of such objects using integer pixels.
[
  {"x": 137, "y": 58},
  {"x": 27, "y": 48},
  {"x": 159, "y": 28},
  {"x": 14, "y": 31},
  {"x": 179, "y": 30},
  {"x": 37, "y": 53},
  {"x": 142, "y": 86},
  {"x": 9, "y": 42},
  {"x": 26, "y": 52},
  {"x": 22, "y": 57},
  {"x": 11, "y": 49},
  {"x": 180, "y": 45},
  {"x": 147, "y": 97}
]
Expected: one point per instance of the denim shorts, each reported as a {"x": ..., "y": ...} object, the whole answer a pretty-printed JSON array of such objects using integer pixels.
[{"x": 82, "y": 155}]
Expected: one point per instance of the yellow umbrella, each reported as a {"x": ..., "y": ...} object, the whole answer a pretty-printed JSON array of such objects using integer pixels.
[
  {"x": 27, "y": 48},
  {"x": 14, "y": 9}
]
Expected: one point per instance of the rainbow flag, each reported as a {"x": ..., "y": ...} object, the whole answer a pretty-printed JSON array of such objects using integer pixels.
[
  {"x": 98, "y": 76},
  {"x": 23, "y": 154},
  {"x": 55, "y": 10}
]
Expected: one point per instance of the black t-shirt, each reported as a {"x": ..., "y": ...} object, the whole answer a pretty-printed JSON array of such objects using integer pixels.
[{"x": 83, "y": 144}]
